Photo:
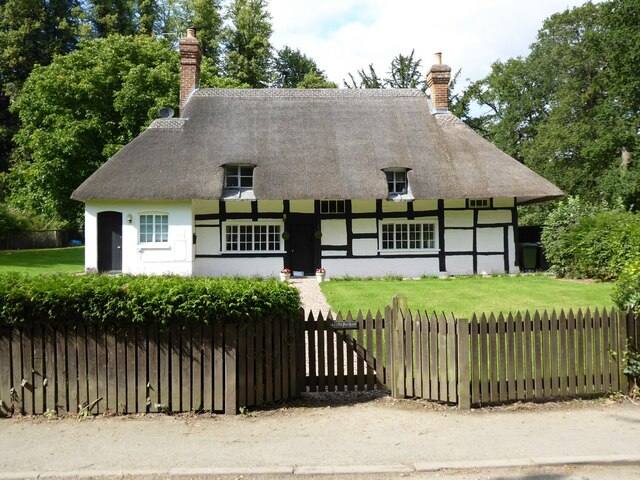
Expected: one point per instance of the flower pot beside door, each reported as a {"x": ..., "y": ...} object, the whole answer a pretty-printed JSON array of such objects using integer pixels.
[
  {"x": 320, "y": 273},
  {"x": 285, "y": 274}
]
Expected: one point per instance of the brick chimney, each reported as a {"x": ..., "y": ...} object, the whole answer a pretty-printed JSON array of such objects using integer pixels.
[
  {"x": 190, "y": 57},
  {"x": 438, "y": 80}
]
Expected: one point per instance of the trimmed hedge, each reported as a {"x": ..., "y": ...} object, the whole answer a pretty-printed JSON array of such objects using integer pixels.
[{"x": 158, "y": 300}]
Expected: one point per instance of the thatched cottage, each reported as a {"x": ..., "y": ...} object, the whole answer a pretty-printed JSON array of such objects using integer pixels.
[{"x": 360, "y": 182}]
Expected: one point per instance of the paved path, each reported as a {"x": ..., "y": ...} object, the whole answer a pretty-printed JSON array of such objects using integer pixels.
[{"x": 377, "y": 436}]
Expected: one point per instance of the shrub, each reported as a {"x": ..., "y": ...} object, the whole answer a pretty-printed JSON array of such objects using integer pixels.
[
  {"x": 125, "y": 300},
  {"x": 601, "y": 246},
  {"x": 626, "y": 291},
  {"x": 568, "y": 214},
  {"x": 11, "y": 220}
]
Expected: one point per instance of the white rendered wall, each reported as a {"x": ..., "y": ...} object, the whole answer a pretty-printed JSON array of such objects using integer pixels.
[
  {"x": 172, "y": 257},
  {"x": 238, "y": 266},
  {"x": 334, "y": 232},
  {"x": 380, "y": 267}
]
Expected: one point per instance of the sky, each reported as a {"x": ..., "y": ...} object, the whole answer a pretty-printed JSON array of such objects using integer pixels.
[{"x": 343, "y": 36}]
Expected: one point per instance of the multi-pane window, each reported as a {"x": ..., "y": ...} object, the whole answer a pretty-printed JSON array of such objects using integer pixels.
[
  {"x": 238, "y": 176},
  {"x": 332, "y": 206},
  {"x": 396, "y": 181},
  {"x": 252, "y": 238},
  {"x": 408, "y": 236},
  {"x": 478, "y": 203},
  {"x": 154, "y": 228}
]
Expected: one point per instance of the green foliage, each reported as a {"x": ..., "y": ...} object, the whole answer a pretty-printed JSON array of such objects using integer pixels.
[
  {"x": 404, "y": 72},
  {"x": 315, "y": 80},
  {"x": 113, "y": 17},
  {"x": 631, "y": 359},
  {"x": 600, "y": 246},
  {"x": 626, "y": 291},
  {"x": 80, "y": 110},
  {"x": 11, "y": 220},
  {"x": 126, "y": 300},
  {"x": 246, "y": 41},
  {"x": 559, "y": 222},
  {"x": 572, "y": 106},
  {"x": 293, "y": 69}
]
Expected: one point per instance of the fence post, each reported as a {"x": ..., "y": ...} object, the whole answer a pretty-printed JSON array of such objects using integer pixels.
[
  {"x": 399, "y": 311},
  {"x": 464, "y": 371}
]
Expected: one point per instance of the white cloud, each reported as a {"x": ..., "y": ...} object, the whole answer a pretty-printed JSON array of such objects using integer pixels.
[{"x": 345, "y": 35}]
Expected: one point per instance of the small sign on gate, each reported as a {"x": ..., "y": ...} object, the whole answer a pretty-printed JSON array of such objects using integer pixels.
[{"x": 344, "y": 325}]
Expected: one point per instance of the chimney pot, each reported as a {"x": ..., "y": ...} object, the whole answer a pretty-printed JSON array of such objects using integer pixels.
[
  {"x": 438, "y": 57},
  {"x": 191, "y": 32}
]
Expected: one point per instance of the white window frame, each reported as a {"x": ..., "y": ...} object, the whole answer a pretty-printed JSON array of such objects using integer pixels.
[
  {"x": 236, "y": 172},
  {"x": 395, "y": 171},
  {"x": 421, "y": 221},
  {"x": 244, "y": 223},
  {"x": 162, "y": 243}
]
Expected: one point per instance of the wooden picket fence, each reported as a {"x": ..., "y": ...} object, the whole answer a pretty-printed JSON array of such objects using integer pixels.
[
  {"x": 222, "y": 367},
  {"x": 499, "y": 358},
  {"x": 218, "y": 367}
]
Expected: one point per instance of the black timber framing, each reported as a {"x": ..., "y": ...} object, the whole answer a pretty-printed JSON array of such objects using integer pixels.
[
  {"x": 348, "y": 216},
  {"x": 441, "y": 245}
]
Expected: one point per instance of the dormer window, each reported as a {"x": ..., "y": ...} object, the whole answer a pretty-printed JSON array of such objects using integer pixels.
[
  {"x": 238, "y": 182},
  {"x": 396, "y": 180},
  {"x": 398, "y": 184}
]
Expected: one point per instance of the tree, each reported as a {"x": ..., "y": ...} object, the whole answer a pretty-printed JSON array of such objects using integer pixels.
[
  {"x": 112, "y": 16},
  {"x": 246, "y": 42},
  {"x": 404, "y": 72},
  {"x": 315, "y": 80},
  {"x": 203, "y": 15},
  {"x": 571, "y": 107},
  {"x": 80, "y": 110},
  {"x": 367, "y": 80},
  {"x": 147, "y": 16},
  {"x": 31, "y": 32},
  {"x": 291, "y": 66}
]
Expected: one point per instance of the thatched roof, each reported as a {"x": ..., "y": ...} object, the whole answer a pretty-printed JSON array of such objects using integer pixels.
[{"x": 312, "y": 144}]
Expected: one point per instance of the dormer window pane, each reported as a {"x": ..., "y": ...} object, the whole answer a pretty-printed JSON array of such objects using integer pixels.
[
  {"x": 237, "y": 176},
  {"x": 397, "y": 181}
]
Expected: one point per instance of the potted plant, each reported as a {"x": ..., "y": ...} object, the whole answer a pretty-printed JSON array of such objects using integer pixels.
[
  {"x": 320, "y": 273},
  {"x": 285, "y": 274}
]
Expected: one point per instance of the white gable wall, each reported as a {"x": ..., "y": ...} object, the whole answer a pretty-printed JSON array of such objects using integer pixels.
[{"x": 172, "y": 257}]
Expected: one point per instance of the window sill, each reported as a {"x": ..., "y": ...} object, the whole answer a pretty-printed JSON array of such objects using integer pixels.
[
  {"x": 400, "y": 197},
  {"x": 253, "y": 252},
  {"x": 425, "y": 251},
  {"x": 154, "y": 246}
]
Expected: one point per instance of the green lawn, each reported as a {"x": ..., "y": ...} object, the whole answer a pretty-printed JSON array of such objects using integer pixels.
[
  {"x": 464, "y": 295},
  {"x": 50, "y": 260}
]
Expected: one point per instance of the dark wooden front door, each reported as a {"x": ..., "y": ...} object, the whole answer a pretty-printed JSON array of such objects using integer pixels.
[
  {"x": 109, "y": 241},
  {"x": 302, "y": 248}
]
